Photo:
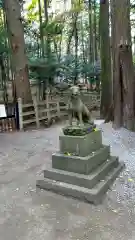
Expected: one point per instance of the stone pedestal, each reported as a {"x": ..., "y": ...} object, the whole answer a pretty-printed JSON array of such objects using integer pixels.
[{"x": 83, "y": 168}]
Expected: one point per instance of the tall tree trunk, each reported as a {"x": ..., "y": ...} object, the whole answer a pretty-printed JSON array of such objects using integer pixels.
[
  {"x": 95, "y": 30},
  {"x": 106, "y": 83},
  {"x": 90, "y": 33},
  {"x": 41, "y": 29},
  {"x": 46, "y": 21},
  {"x": 3, "y": 75},
  {"x": 71, "y": 33},
  {"x": 16, "y": 36},
  {"x": 123, "y": 76},
  {"x": 48, "y": 47},
  {"x": 76, "y": 48},
  {"x": 83, "y": 49}
]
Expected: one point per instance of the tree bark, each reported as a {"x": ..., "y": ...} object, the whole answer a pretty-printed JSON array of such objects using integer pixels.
[
  {"x": 19, "y": 59},
  {"x": 83, "y": 49},
  {"x": 95, "y": 30},
  {"x": 41, "y": 29},
  {"x": 106, "y": 83},
  {"x": 91, "y": 57},
  {"x": 123, "y": 77},
  {"x": 76, "y": 48}
]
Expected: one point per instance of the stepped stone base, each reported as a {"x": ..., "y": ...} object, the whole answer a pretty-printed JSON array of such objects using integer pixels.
[
  {"x": 79, "y": 164},
  {"x": 82, "y": 169},
  {"x": 93, "y": 195}
]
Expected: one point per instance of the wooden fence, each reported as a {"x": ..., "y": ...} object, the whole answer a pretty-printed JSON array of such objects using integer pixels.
[
  {"x": 53, "y": 108},
  {"x": 43, "y": 112},
  {"x": 7, "y": 124},
  {"x": 10, "y": 122}
]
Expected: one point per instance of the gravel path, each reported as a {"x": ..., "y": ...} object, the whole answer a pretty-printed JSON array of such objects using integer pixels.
[{"x": 27, "y": 214}]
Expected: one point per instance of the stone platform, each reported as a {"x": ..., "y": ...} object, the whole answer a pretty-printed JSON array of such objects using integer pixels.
[{"x": 83, "y": 168}]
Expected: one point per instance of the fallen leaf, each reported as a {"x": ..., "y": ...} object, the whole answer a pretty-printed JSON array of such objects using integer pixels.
[
  {"x": 130, "y": 180},
  {"x": 115, "y": 211},
  {"x": 27, "y": 220}
]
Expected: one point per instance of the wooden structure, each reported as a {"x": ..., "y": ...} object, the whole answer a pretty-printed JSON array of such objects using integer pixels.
[
  {"x": 53, "y": 108},
  {"x": 9, "y": 123}
]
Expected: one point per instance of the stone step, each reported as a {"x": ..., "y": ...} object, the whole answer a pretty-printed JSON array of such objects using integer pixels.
[
  {"x": 93, "y": 195},
  {"x": 82, "y": 180},
  {"x": 82, "y": 145},
  {"x": 82, "y": 165}
]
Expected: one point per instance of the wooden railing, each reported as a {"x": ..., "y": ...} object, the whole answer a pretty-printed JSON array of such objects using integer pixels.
[
  {"x": 51, "y": 109},
  {"x": 37, "y": 112}
]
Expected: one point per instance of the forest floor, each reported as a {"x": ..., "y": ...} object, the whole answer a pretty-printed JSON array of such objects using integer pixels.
[{"x": 28, "y": 214}]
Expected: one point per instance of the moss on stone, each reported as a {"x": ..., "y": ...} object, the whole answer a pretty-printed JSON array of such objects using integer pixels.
[{"x": 79, "y": 130}]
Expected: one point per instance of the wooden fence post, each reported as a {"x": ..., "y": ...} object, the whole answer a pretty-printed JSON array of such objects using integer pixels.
[
  {"x": 36, "y": 111},
  {"x": 48, "y": 108},
  {"x": 58, "y": 109},
  {"x": 20, "y": 111}
]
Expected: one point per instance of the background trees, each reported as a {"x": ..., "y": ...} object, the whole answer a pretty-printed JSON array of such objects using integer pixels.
[{"x": 71, "y": 41}]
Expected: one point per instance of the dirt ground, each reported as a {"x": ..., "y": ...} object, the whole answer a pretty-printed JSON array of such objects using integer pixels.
[{"x": 30, "y": 214}]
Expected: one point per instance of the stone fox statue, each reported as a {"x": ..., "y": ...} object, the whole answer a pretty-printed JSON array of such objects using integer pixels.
[{"x": 76, "y": 108}]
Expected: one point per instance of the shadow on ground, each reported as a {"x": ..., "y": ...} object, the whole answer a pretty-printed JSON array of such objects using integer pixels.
[{"x": 27, "y": 214}]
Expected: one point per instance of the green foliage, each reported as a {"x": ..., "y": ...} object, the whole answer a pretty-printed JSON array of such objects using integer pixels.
[
  {"x": 43, "y": 69},
  {"x": 53, "y": 28},
  {"x": 46, "y": 41},
  {"x": 134, "y": 59},
  {"x": 49, "y": 68},
  {"x": 1, "y": 3},
  {"x": 32, "y": 5},
  {"x": 79, "y": 131},
  {"x": 32, "y": 12},
  {"x": 3, "y": 37},
  {"x": 57, "y": 28}
]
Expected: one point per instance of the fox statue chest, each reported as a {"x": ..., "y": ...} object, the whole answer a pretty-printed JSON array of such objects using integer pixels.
[{"x": 75, "y": 105}]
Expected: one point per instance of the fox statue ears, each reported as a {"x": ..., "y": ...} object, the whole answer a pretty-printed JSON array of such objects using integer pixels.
[{"x": 75, "y": 90}]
